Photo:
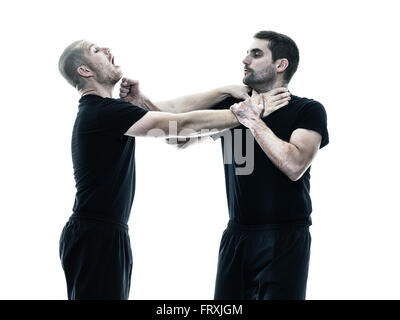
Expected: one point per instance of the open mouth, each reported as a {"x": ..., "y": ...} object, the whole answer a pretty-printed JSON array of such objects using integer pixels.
[{"x": 112, "y": 60}]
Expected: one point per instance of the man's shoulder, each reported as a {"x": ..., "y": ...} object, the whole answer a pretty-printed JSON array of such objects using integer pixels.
[
  {"x": 92, "y": 99},
  {"x": 311, "y": 114},
  {"x": 302, "y": 104},
  {"x": 93, "y": 108},
  {"x": 108, "y": 106},
  {"x": 303, "y": 101},
  {"x": 115, "y": 102}
]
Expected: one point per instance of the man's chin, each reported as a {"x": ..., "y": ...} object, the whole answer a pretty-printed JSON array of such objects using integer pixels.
[
  {"x": 118, "y": 75},
  {"x": 114, "y": 80}
]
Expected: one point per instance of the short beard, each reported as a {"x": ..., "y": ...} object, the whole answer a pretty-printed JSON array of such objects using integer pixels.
[
  {"x": 110, "y": 78},
  {"x": 261, "y": 78}
]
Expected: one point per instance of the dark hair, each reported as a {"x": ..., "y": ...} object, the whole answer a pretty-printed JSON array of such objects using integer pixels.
[{"x": 282, "y": 46}]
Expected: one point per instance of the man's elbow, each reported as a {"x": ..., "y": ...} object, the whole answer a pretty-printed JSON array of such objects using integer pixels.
[
  {"x": 295, "y": 172},
  {"x": 188, "y": 127},
  {"x": 294, "y": 176},
  {"x": 184, "y": 126}
]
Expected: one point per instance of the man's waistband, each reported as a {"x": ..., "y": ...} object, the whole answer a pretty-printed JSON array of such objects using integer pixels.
[
  {"x": 261, "y": 227},
  {"x": 98, "y": 218}
]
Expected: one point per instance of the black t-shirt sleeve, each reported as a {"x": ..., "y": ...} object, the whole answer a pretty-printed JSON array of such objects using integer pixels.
[
  {"x": 117, "y": 116},
  {"x": 312, "y": 116}
]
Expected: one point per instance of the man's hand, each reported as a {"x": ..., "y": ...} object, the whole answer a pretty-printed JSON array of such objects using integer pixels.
[
  {"x": 273, "y": 100},
  {"x": 129, "y": 91},
  {"x": 250, "y": 111},
  {"x": 237, "y": 91}
]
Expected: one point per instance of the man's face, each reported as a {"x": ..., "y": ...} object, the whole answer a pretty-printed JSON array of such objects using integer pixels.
[
  {"x": 258, "y": 65},
  {"x": 101, "y": 62}
]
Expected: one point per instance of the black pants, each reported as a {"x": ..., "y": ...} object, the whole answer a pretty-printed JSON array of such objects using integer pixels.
[
  {"x": 97, "y": 259},
  {"x": 268, "y": 262}
]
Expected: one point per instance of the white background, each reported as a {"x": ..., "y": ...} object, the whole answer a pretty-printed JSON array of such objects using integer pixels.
[{"x": 349, "y": 62}]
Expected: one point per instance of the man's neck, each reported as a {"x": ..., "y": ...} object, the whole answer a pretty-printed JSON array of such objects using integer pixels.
[
  {"x": 104, "y": 91},
  {"x": 265, "y": 87}
]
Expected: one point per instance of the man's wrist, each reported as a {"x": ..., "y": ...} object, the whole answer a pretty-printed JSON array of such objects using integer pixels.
[
  {"x": 223, "y": 93},
  {"x": 138, "y": 101},
  {"x": 256, "y": 124}
]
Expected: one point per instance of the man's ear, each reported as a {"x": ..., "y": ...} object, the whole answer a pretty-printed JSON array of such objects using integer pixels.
[
  {"x": 84, "y": 71},
  {"x": 281, "y": 65}
]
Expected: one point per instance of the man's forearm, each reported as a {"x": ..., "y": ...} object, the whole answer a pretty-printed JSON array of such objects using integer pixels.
[
  {"x": 193, "y": 102},
  {"x": 145, "y": 103},
  {"x": 206, "y": 120},
  {"x": 284, "y": 155}
]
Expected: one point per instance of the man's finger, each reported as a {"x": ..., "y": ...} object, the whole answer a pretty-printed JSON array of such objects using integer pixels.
[
  {"x": 277, "y": 91},
  {"x": 284, "y": 100},
  {"x": 254, "y": 93},
  {"x": 246, "y": 92},
  {"x": 282, "y": 105},
  {"x": 129, "y": 82},
  {"x": 244, "y": 96},
  {"x": 125, "y": 84},
  {"x": 132, "y": 82},
  {"x": 278, "y": 102},
  {"x": 255, "y": 98},
  {"x": 234, "y": 107},
  {"x": 280, "y": 96},
  {"x": 125, "y": 89}
]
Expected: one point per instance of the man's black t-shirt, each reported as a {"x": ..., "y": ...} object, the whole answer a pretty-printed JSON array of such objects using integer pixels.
[
  {"x": 104, "y": 158},
  {"x": 267, "y": 195}
]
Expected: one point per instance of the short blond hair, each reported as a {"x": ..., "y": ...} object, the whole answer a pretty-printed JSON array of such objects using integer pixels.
[{"x": 70, "y": 60}]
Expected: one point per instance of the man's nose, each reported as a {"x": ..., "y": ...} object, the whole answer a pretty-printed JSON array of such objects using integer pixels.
[
  {"x": 106, "y": 50},
  {"x": 246, "y": 61}
]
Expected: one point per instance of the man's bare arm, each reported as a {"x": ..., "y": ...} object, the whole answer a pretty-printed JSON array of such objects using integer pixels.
[
  {"x": 190, "y": 124},
  {"x": 203, "y": 100},
  {"x": 129, "y": 91},
  {"x": 294, "y": 157}
]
